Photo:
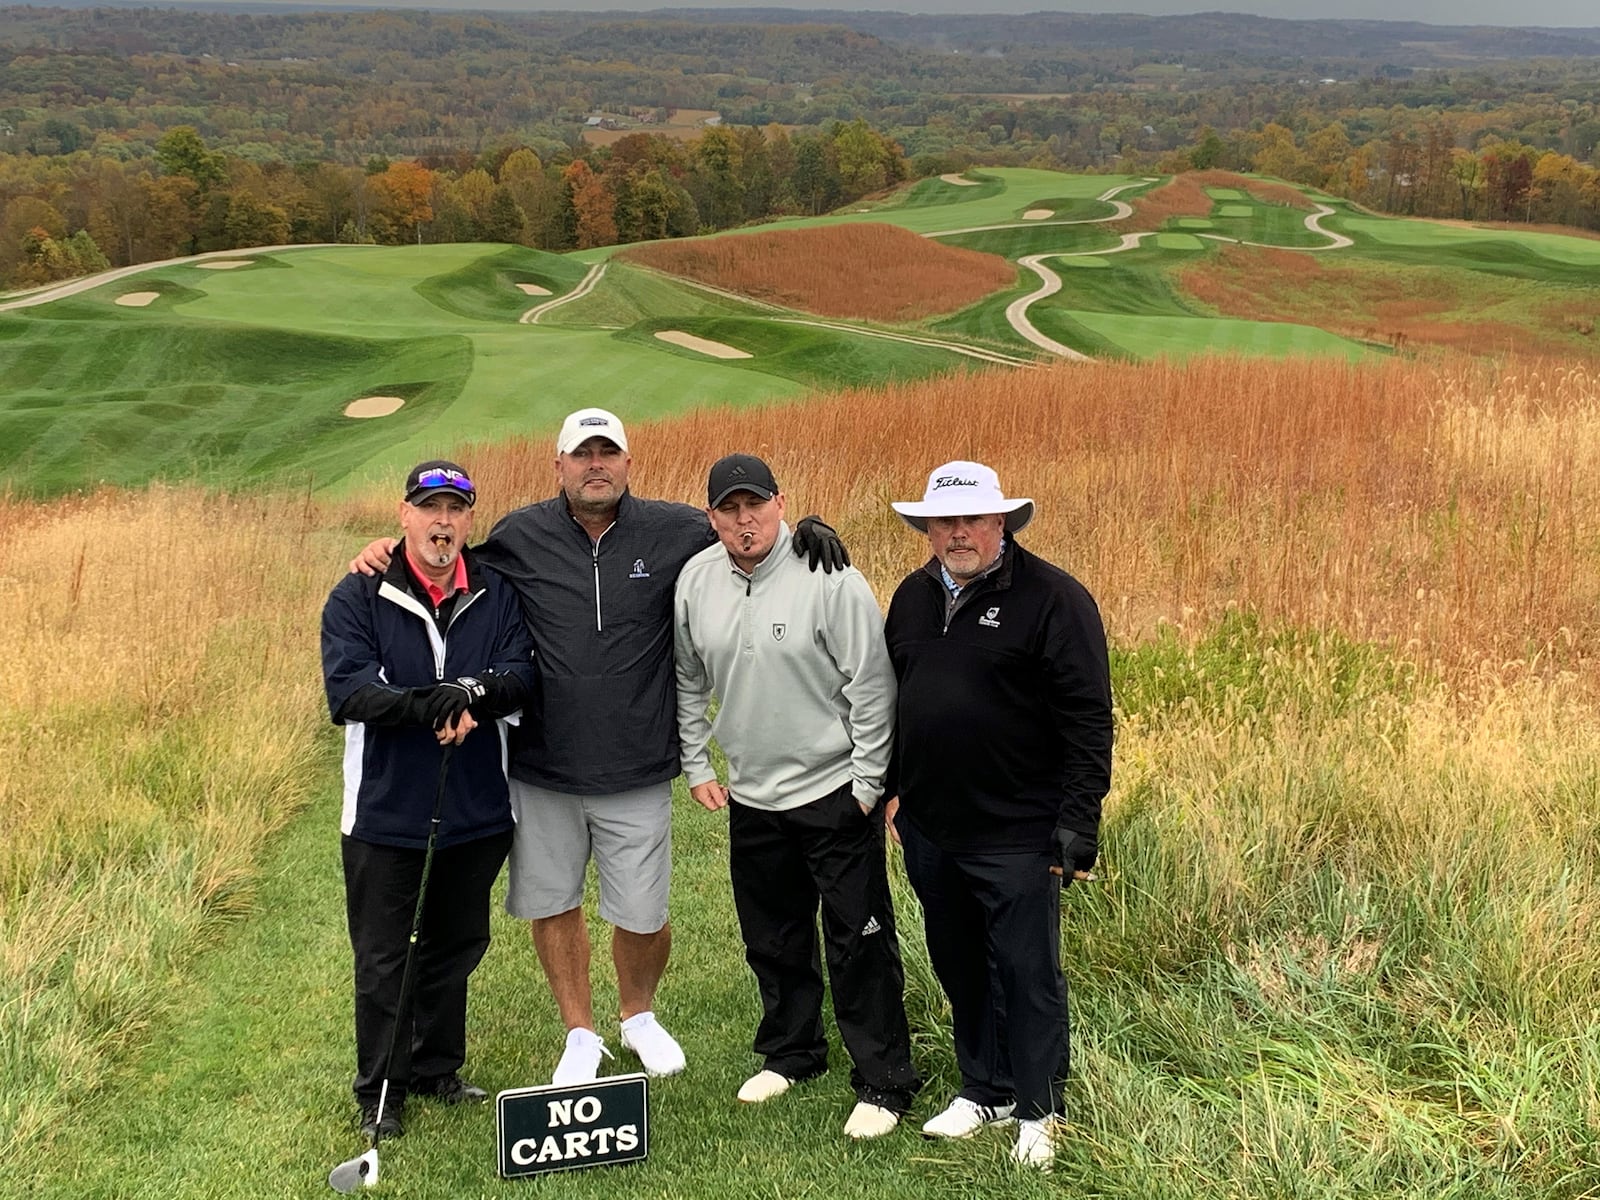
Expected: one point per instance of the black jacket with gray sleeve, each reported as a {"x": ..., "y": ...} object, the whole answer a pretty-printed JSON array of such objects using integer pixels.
[{"x": 603, "y": 716}]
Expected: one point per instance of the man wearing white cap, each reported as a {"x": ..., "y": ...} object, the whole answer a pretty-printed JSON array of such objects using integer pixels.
[
  {"x": 593, "y": 761},
  {"x": 1002, "y": 759}
]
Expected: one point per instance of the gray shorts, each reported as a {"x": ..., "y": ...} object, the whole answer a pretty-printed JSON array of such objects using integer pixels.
[{"x": 629, "y": 836}]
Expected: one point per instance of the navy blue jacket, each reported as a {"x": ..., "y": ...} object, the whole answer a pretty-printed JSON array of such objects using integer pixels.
[
  {"x": 604, "y": 714},
  {"x": 375, "y": 630}
]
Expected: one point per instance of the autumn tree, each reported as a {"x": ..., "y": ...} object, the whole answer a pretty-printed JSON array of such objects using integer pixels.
[{"x": 593, "y": 206}]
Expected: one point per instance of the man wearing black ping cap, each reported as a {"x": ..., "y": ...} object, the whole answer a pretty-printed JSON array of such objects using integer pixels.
[
  {"x": 807, "y": 694},
  {"x": 429, "y": 654}
]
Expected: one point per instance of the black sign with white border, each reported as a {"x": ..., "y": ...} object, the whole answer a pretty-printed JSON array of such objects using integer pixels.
[{"x": 566, "y": 1127}]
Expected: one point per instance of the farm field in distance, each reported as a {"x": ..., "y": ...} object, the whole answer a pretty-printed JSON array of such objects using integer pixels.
[{"x": 1333, "y": 478}]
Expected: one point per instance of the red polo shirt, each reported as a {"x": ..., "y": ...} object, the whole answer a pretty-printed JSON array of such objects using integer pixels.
[{"x": 435, "y": 592}]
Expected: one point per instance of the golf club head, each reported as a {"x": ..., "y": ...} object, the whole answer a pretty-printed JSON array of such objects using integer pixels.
[{"x": 356, "y": 1173}]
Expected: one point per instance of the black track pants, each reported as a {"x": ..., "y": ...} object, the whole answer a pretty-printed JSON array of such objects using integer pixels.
[
  {"x": 782, "y": 864},
  {"x": 380, "y": 902},
  {"x": 994, "y": 937}
]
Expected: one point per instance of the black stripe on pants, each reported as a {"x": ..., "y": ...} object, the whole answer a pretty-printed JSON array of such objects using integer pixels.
[
  {"x": 782, "y": 864},
  {"x": 994, "y": 938},
  {"x": 380, "y": 902}
]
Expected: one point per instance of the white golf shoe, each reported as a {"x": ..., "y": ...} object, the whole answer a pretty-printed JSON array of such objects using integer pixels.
[
  {"x": 870, "y": 1121},
  {"x": 964, "y": 1118},
  {"x": 580, "y": 1061},
  {"x": 1036, "y": 1143},
  {"x": 763, "y": 1086},
  {"x": 658, "y": 1051}
]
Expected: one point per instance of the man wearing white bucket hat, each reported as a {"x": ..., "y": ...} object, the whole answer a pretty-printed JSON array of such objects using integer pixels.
[{"x": 1002, "y": 758}]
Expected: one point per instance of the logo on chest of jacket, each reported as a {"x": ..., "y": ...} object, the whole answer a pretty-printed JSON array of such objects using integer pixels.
[
  {"x": 778, "y": 632},
  {"x": 991, "y": 618},
  {"x": 638, "y": 571}
]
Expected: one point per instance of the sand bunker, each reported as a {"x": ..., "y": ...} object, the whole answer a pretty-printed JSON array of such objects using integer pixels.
[
  {"x": 224, "y": 264},
  {"x": 689, "y": 342},
  {"x": 1038, "y": 214},
  {"x": 958, "y": 181},
  {"x": 136, "y": 299},
  {"x": 373, "y": 406},
  {"x": 533, "y": 289}
]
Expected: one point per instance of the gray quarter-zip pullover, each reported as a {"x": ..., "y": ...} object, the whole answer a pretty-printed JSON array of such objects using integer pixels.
[{"x": 799, "y": 664}]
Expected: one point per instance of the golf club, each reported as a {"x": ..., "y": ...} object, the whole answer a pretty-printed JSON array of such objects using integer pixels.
[{"x": 362, "y": 1171}]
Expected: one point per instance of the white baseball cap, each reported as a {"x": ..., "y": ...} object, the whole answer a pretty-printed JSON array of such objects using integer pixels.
[
  {"x": 586, "y": 423},
  {"x": 963, "y": 489}
]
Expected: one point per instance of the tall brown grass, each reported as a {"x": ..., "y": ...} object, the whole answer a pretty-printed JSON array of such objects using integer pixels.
[
  {"x": 1449, "y": 511},
  {"x": 869, "y": 271},
  {"x": 160, "y": 706}
]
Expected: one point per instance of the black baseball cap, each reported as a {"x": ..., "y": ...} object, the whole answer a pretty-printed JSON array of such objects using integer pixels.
[
  {"x": 739, "y": 473},
  {"x": 439, "y": 475}
]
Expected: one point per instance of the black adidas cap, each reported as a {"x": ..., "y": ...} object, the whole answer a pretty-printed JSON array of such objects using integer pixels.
[{"x": 739, "y": 473}]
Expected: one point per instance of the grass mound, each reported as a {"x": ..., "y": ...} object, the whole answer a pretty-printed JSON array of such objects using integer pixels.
[
  {"x": 869, "y": 271},
  {"x": 486, "y": 290},
  {"x": 140, "y": 400}
]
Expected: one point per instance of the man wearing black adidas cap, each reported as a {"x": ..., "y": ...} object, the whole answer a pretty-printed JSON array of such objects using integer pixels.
[
  {"x": 797, "y": 661},
  {"x": 429, "y": 654}
]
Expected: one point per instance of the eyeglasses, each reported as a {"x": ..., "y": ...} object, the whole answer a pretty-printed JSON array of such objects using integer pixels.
[{"x": 444, "y": 477}]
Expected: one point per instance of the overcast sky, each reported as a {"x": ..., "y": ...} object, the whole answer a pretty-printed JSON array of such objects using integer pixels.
[{"x": 1584, "y": 13}]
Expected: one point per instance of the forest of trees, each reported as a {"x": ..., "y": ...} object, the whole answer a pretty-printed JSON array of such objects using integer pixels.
[{"x": 128, "y": 135}]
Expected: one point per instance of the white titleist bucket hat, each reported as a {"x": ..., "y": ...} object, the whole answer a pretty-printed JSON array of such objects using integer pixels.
[
  {"x": 963, "y": 489},
  {"x": 586, "y": 423}
]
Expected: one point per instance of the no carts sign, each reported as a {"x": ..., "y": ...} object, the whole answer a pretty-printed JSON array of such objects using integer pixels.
[{"x": 559, "y": 1128}]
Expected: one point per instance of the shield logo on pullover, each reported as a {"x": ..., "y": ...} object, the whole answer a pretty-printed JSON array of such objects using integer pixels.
[{"x": 778, "y": 631}]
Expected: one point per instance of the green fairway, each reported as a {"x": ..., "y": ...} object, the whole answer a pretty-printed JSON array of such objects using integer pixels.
[{"x": 1140, "y": 336}]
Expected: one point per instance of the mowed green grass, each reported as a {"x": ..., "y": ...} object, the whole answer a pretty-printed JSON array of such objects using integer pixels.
[{"x": 237, "y": 377}]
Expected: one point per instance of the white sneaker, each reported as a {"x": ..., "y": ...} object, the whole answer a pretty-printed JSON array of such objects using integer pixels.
[
  {"x": 1036, "y": 1143},
  {"x": 580, "y": 1061},
  {"x": 657, "y": 1049},
  {"x": 870, "y": 1121},
  {"x": 763, "y": 1086},
  {"x": 964, "y": 1118}
]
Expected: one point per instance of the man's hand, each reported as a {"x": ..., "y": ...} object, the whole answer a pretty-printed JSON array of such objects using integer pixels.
[
  {"x": 374, "y": 557},
  {"x": 451, "y": 699},
  {"x": 817, "y": 540},
  {"x": 455, "y": 734},
  {"x": 710, "y": 796},
  {"x": 1074, "y": 852},
  {"x": 891, "y": 808}
]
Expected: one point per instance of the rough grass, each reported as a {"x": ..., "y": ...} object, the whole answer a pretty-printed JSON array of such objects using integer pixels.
[
  {"x": 1412, "y": 306},
  {"x": 872, "y": 272}
]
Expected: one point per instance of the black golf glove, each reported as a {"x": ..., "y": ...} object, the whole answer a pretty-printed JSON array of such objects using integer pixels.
[
  {"x": 452, "y": 698},
  {"x": 815, "y": 539},
  {"x": 1074, "y": 851}
]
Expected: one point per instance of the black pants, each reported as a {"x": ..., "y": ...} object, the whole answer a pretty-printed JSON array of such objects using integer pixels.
[
  {"x": 782, "y": 864},
  {"x": 994, "y": 938},
  {"x": 380, "y": 885}
]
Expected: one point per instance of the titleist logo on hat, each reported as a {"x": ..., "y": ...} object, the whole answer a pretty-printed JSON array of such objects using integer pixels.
[
  {"x": 944, "y": 481},
  {"x": 594, "y": 421}
]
